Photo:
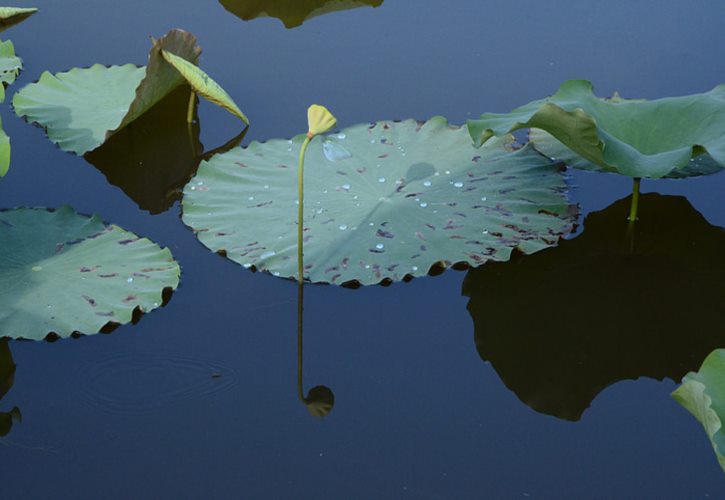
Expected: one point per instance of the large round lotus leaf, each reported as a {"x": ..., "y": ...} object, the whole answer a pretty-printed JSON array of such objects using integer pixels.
[
  {"x": 382, "y": 202},
  {"x": 61, "y": 272},
  {"x": 633, "y": 137},
  {"x": 81, "y": 108},
  {"x": 614, "y": 303},
  {"x": 291, "y": 12}
]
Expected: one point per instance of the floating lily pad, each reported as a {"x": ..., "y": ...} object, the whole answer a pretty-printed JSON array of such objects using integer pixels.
[
  {"x": 641, "y": 304},
  {"x": 155, "y": 156},
  {"x": 382, "y": 202},
  {"x": 80, "y": 109},
  {"x": 292, "y": 12},
  {"x": 10, "y": 66},
  {"x": 61, "y": 273},
  {"x": 703, "y": 394},
  {"x": 634, "y": 137}
]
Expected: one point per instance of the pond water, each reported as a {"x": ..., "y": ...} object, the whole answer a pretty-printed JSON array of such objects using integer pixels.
[{"x": 199, "y": 399}]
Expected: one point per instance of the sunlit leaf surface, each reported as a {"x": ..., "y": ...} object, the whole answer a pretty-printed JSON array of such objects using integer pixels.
[
  {"x": 383, "y": 201},
  {"x": 634, "y": 137},
  {"x": 611, "y": 304},
  {"x": 292, "y": 12},
  {"x": 81, "y": 108},
  {"x": 61, "y": 273},
  {"x": 703, "y": 394}
]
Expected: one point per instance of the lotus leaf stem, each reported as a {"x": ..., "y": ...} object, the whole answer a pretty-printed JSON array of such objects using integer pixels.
[
  {"x": 635, "y": 200},
  {"x": 300, "y": 210},
  {"x": 300, "y": 302}
]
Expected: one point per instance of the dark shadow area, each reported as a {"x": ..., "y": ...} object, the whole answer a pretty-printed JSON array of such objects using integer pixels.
[
  {"x": 292, "y": 12},
  {"x": 7, "y": 378},
  {"x": 561, "y": 325},
  {"x": 154, "y": 157}
]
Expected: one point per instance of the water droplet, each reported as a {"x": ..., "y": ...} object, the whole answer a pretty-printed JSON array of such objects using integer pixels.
[
  {"x": 341, "y": 136},
  {"x": 458, "y": 184},
  {"x": 156, "y": 304},
  {"x": 485, "y": 231},
  {"x": 246, "y": 265},
  {"x": 448, "y": 172},
  {"x": 193, "y": 188},
  {"x": 372, "y": 141},
  {"x": 398, "y": 182},
  {"x": 371, "y": 224},
  {"x": 130, "y": 280},
  {"x": 324, "y": 191},
  {"x": 437, "y": 174},
  {"x": 379, "y": 246},
  {"x": 251, "y": 198},
  {"x": 381, "y": 180},
  {"x": 346, "y": 187},
  {"x": 319, "y": 211},
  {"x": 355, "y": 197},
  {"x": 276, "y": 273},
  {"x": 427, "y": 183},
  {"x": 483, "y": 198},
  {"x": 334, "y": 151},
  {"x": 423, "y": 205},
  {"x": 367, "y": 266},
  {"x": 37, "y": 268},
  {"x": 343, "y": 227},
  {"x": 267, "y": 255},
  {"x": 266, "y": 186},
  {"x": 414, "y": 268},
  {"x": 200, "y": 183}
]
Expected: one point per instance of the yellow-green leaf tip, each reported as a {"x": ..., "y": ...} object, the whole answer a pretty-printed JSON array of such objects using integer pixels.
[{"x": 319, "y": 120}]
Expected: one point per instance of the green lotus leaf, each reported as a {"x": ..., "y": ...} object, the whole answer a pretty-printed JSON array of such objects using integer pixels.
[
  {"x": 10, "y": 66},
  {"x": 292, "y": 12},
  {"x": 80, "y": 109},
  {"x": 702, "y": 393},
  {"x": 647, "y": 278},
  {"x": 634, "y": 137},
  {"x": 61, "y": 273},
  {"x": 383, "y": 201},
  {"x": 204, "y": 85},
  {"x": 10, "y": 16}
]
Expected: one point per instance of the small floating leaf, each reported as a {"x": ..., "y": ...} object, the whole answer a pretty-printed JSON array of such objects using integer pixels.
[
  {"x": 405, "y": 196},
  {"x": 61, "y": 272},
  {"x": 292, "y": 12},
  {"x": 83, "y": 107},
  {"x": 632, "y": 137},
  {"x": 703, "y": 394},
  {"x": 204, "y": 85}
]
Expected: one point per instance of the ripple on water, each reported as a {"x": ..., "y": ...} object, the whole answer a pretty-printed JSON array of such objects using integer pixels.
[{"x": 141, "y": 383}]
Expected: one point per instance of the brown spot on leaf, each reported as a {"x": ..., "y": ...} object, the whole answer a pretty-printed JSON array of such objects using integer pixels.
[{"x": 90, "y": 300}]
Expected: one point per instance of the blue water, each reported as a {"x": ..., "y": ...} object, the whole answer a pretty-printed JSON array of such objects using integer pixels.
[{"x": 199, "y": 399}]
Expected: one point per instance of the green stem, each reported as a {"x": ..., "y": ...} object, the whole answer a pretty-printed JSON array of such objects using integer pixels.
[
  {"x": 300, "y": 211},
  {"x": 190, "y": 109},
  {"x": 300, "y": 301},
  {"x": 635, "y": 200}
]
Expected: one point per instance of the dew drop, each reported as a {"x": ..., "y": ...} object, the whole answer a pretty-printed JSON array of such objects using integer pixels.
[
  {"x": 341, "y": 136},
  {"x": 276, "y": 273},
  {"x": 371, "y": 224},
  {"x": 448, "y": 172},
  {"x": 266, "y": 186},
  {"x": 372, "y": 141},
  {"x": 130, "y": 280},
  {"x": 485, "y": 231},
  {"x": 483, "y": 198},
  {"x": 458, "y": 184},
  {"x": 414, "y": 268},
  {"x": 319, "y": 211},
  {"x": 367, "y": 266},
  {"x": 267, "y": 255},
  {"x": 381, "y": 180},
  {"x": 427, "y": 183},
  {"x": 343, "y": 227},
  {"x": 251, "y": 198},
  {"x": 193, "y": 188},
  {"x": 156, "y": 304},
  {"x": 37, "y": 268},
  {"x": 346, "y": 187},
  {"x": 379, "y": 246},
  {"x": 355, "y": 197},
  {"x": 423, "y": 205},
  {"x": 334, "y": 151},
  {"x": 200, "y": 183}
]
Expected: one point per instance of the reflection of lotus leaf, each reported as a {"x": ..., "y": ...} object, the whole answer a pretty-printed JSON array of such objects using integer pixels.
[
  {"x": 703, "y": 394},
  {"x": 633, "y": 137},
  {"x": 382, "y": 202},
  {"x": 319, "y": 401},
  {"x": 81, "y": 108},
  {"x": 62, "y": 272},
  {"x": 292, "y": 12},
  {"x": 648, "y": 304},
  {"x": 7, "y": 376}
]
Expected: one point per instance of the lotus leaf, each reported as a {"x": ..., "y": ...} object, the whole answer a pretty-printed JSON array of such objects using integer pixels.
[
  {"x": 634, "y": 137},
  {"x": 80, "y": 109},
  {"x": 703, "y": 394},
  {"x": 384, "y": 201},
  {"x": 10, "y": 66},
  {"x": 292, "y": 12},
  {"x": 61, "y": 273},
  {"x": 646, "y": 277},
  {"x": 10, "y": 16}
]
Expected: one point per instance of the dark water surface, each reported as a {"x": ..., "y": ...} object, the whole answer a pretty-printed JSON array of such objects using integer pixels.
[{"x": 199, "y": 399}]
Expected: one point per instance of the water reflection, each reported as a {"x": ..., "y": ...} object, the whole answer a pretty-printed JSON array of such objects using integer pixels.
[
  {"x": 7, "y": 377},
  {"x": 561, "y": 325},
  {"x": 154, "y": 157},
  {"x": 292, "y": 12},
  {"x": 320, "y": 400}
]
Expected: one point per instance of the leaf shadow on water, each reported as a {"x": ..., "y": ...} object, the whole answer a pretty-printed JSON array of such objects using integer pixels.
[
  {"x": 156, "y": 155},
  {"x": 561, "y": 325},
  {"x": 292, "y": 13},
  {"x": 7, "y": 378}
]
